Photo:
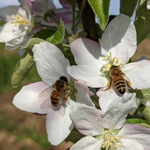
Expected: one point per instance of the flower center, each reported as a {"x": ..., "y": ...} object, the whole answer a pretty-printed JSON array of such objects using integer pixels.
[
  {"x": 111, "y": 141},
  {"x": 109, "y": 63},
  {"x": 19, "y": 20}
]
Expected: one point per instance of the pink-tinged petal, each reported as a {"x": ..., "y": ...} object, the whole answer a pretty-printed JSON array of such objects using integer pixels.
[
  {"x": 50, "y": 62},
  {"x": 119, "y": 38},
  {"x": 9, "y": 11},
  {"x": 8, "y": 32},
  {"x": 28, "y": 99},
  {"x": 87, "y": 143},
  {"x": 90, "y": 75},
  {"x": 138, "y": 74},
  {"x": 130, "y": 144},
  {"x": 84, "y": 121},
  {"x": 86, "y": 52},
  {"x": 118, "y": 110},
  {"x": 136, "y": 132},
  {"x": 58, "y": 126},
  {"x": 83, "y": 96}
]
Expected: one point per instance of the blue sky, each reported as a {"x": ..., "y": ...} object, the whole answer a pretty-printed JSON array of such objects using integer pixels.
[{"x": 114, "y": 5}]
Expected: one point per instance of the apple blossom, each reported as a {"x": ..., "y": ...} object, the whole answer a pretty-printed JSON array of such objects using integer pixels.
[
  {"x": 17, "y": 25},
  {"x": 118, "y": 45},
  {"x": 106, "y": 129},
  {"x": 35, "y": 98}
]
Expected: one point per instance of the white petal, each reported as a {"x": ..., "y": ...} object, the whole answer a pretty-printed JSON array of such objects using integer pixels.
[
  {"x": 130, "y": 144},
  {"x": 87, "y": 143},
  {"x": 50, "y": 62},
  {"x": 17, "y": 41},
  {"x": 119, "y": 38},
  {"x": 138, "y": 73},
  {"x": 58, "y": 126},
  {"x": 83, "y": 95},
  {"x": 9, "y": 11},
  {"x": 136, "y": 132},
  {"x": 27, "y": 5},
  {"x": 106, "y": 97},
  {"x": 90, "y": 75},
  {"x": 27, "y": 98},
  {"x": 84, "y": 121},
  {"x": 86, "y": 52},
  {"x": 118, "y": 110},
  {"x": 8, "y": 32}
]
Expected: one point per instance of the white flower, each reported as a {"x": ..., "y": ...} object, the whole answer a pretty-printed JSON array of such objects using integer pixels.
[
  {"x": 35, "y": 98},
  {"x": 118, "y": 45},
  {"x": 102, "y": 130},
  {"x": 17, "y": 24}
]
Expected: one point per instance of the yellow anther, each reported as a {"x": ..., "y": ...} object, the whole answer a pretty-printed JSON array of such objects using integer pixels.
[
  {"x": 19, "y": 20},
  {"x": 105, "y": 58}
]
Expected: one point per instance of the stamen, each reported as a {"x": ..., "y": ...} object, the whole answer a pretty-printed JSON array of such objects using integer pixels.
[
  {"x": 111, "y": 141},
  {"x": 19, "y": 20}
]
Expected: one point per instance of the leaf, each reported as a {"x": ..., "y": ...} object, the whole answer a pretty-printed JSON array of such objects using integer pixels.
[
  {"x": 142, "y": 21},
  {"x": 29, "y": 46},
  {"x": 145, "y": 111},
  {"x": 101, "y": 10},
  {"x": 143, "y": 96},
  {"x": 127, "y": 7},
  {"x": 58, "y": 36},
  {"x": 137, "y": 121},
  {"x": 22, "y": 69},
  {"x": 44, "y": 33}
]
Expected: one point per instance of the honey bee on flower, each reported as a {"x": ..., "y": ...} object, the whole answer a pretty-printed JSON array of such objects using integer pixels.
[{"x": 96, "y": 64}]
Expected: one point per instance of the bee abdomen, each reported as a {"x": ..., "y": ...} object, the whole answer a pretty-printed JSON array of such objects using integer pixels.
[
  {"x": 55, "y": 98},
  {"x": 120, "y": 86}
]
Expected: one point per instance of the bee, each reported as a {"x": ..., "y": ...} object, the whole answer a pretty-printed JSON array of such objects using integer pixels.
[
  {"x": 58, "y": 91},
  {"x": 118, "y": 80}
]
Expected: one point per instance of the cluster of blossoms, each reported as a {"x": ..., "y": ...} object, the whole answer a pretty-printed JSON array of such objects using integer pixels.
[
  {"x": 65, "y": 94},
  {"x": 103, "y": 128}
]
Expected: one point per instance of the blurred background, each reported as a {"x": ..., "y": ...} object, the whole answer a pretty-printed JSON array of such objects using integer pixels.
[{"x": 21, "y": 130}]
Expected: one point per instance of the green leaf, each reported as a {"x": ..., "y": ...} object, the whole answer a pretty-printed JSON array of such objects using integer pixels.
[
  {"x": 58, "y": 36},
  {"x": 142, "y": 21},
  {"x": 23, "y": 67},
  {"x": 101, "y": 10},
  {"x": 145, "y": 111},
  {"x": 29, "y": 46},
  {"x": 143, "y": 96},
  {"x": 44, "y": 33},
  {"x": 127, "y": 7},
  {"x": 137, "y": 121}
]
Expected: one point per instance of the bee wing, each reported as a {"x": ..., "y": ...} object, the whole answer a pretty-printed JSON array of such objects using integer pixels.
[
  {"x": 126, "y": 78},
  {"x": 46, "y": 104},
  {"x": 46, "y": 92}
]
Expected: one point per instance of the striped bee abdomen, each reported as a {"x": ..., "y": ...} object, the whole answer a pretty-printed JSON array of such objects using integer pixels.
[
  {"x": 120, "y": 85},
  {"x": 55, "y": 96}
]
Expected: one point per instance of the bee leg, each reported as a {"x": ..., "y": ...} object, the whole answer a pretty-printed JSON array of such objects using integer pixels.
[
  {"x": 129, "y": 85},
  {"x": 108, "y": 85}
]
